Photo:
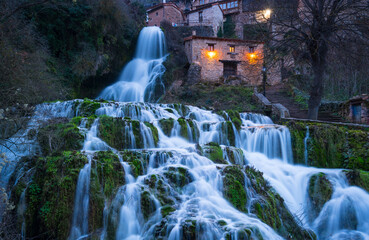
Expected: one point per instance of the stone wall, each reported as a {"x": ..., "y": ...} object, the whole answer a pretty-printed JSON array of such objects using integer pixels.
[
  {"x": 212, "y": 16},
  {"x": 248, "y": 69},
  {"x": 166, "y": 12}
]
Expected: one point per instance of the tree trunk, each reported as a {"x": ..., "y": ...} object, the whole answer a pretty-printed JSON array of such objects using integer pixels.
[
  {"x": 316, "y": 92},
  {"x": 318, "y": 62}
]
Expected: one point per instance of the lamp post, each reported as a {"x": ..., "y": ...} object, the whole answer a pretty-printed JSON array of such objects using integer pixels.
[{"x": 264, "y": 78}]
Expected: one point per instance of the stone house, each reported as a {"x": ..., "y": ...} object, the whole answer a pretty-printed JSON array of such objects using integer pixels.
[
  {"x": 165, "y": 11},
  {"x": 221, "y": 59},
  {"x": 206, "y": 15},
  {"x": 357, "y": 109}
]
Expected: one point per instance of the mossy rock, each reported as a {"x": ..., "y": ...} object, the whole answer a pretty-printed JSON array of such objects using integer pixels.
[
  {"x": 166, "y": 210},
  {"x": 87, "y": 107},
  {"x": 178, "y": 177},
  {"x": 166, "y": 125},
  {"x": 113, "y": 132},
  {"x": 270, "y": 208},
  {"x": 235, "y": 155},
  {"x": 147, "y": 204},
  {"x": 60, "y": 135},
  {"x": 358, "y": 178},
  {"x": 235, "y": 118},
  {"x": 234, "y": 187},
  {"x": 214, "y": 152},
  {"x": 50, "y": 196},
  {"x": 230, "y": 133},
  {"x": 330, "y": 145},
  {"x": 320, "y": 191},
  {"x": 184, "y": 128},
  {"x": 160, "y": 189}
]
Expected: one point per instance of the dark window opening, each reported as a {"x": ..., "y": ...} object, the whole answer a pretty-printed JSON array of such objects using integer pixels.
[
  {"x": 230, "y": 69},
  {"x": 210, "y": 47},
  {"x": 200, "y": 17},
  {"x": 251, "y": 49},
  {"x": 157, "y": 13}
]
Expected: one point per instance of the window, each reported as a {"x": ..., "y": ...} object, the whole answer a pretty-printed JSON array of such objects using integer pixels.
[
  {"x": 232, "y": 48},
  {"x": 200, "y": 17},
  {"x": 157, "y": 13},
  {"x": 232, "y": 4},
  {"x": 201, "y": 2},
  {"x": 251, "y": 49},
  {"x": 228, "y": 5},
  {"x": 229, "y": 69},
  {"x": 236, "y": 4},
  {"x": 210, "y": 47}
]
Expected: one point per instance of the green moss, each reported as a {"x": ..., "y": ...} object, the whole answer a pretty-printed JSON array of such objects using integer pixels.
[
  {"x": 330, "y": 145},
  {"x": 358, "y": 178},
  {"x": 166, "y": 125},
  {"x": 214, "y": 152},
  {"x": 184, "y": 128},
  {"x": 178, "y": 176},
  {"x": 235, "y": 118},
  {"x": 147, "y": 205},
  {"x": 234, "y": 190},
  {"x": 87, "y": 108},
  {"x": 113, "y": 132},
  {"x": 50, "y": 196},
  {"x": 270, "y": 208},
  {"x": 166, "y": 210},
  {"x": 154, "y": 132},
  {"x": 320, "y": 191},
  {"x": 230, "y": 133},
  {"x": 57, "y": 137}
]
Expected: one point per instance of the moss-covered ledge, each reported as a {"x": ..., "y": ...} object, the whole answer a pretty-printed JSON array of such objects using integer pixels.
[{"x": 331, "y": 145}]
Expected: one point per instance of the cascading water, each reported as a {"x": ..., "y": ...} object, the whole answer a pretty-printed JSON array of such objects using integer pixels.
[
  {"x": 198, "y": 199},
  {"x": 141, "y": 77}
]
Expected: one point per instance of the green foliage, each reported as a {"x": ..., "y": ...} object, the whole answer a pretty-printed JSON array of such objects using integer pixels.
[
  {"x": 166, "y": 125},
  {"x": 229, "y": 28},
  {"x": 234, "y": 191},
  {"x": 57, "y": 137},
  {"x": 358, "y": 178},
  {"x": 320, "y": 191},
  {"x": 50, "y": 196},
  {"x": 178, "y": 177},
  {"x": 87, "y": 108},
  {"x": 235, "y": 118},
  {"x": 330, "y": 145},
  {"x": 214, "y": 152},
  {"x": 215, "y": 96}
]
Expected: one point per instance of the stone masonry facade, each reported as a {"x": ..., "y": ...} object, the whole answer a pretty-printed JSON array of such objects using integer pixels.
[
  {"x": 247, "y": 56},
  {"x": 165, "y": 11}
]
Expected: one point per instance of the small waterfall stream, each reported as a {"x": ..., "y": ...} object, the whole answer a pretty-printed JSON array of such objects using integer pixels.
[{"x": 141, "y": 77}]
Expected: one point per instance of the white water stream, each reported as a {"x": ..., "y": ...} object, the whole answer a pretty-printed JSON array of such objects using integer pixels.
[{"x": 260, "y": 143}]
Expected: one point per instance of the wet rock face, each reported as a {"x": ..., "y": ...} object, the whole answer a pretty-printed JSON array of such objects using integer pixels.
[{"x": 320, "y": 190}]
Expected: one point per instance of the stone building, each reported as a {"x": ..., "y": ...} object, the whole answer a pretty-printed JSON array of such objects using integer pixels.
[
  {"x": 165, "y": 11},
  {"x": 225, "y": 60},
  {"x": 357, "y": 109},
  {"x": 207, "y": 15}
]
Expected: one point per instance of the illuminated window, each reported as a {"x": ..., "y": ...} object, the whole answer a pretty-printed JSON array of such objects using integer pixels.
[
  {"x": 201, "y": 2},
  {"x": 236, "y": 4},
  {"x": 210, "y": 47},
  {"x": 251, "y": 49},
  {"x": 232, "y": 48},
  {"x": 228, "y": 5},
  {"x": 232, "y": 4}
]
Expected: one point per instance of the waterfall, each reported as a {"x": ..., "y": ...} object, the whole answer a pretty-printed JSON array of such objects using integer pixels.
[
  {"x": 306, "y": 139},
  {"x": 141, "y": 77},
  {"x": 184, "y": 185}
]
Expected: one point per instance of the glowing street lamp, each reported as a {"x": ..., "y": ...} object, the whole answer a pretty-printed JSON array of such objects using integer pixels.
[
  {"x": 267, "y": 13},
  {"x": 211, "y": 54}
]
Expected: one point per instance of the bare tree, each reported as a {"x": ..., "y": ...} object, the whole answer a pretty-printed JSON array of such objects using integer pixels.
[{"x": 309, "y": 30}]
